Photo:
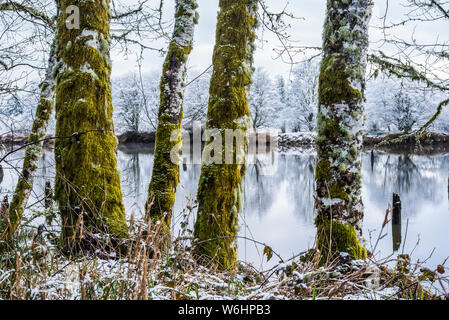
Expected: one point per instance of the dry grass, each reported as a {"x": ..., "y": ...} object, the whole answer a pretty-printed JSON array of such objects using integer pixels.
[{"x": 36, "y": 268}]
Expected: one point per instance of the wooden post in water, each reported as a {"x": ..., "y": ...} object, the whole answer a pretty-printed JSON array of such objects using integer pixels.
[{"x": 396, "y": 222}]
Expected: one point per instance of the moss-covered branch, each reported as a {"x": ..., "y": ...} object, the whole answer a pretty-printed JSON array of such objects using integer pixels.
[
  {"x": 32, "y": 12},
  {"x": 417, "y": 134},
  {"x": 395, "y": 67}
]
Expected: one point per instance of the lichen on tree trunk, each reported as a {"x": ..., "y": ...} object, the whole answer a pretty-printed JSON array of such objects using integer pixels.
[
  {"x": 340, "y": 117},
  {"x": 87, "y": 185},
  {"x": 33, "y": 152},
  {"x": 165, "y": 175},
  {"x": 220, "y": 189}
]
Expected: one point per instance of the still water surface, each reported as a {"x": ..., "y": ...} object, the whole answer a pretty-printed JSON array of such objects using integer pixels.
[{"x": 278, "y": 203}]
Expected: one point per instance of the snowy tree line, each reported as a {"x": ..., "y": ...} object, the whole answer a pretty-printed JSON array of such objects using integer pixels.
[
  {"x": 136, "y": 101},
  {"x": 285, "y": 103}
]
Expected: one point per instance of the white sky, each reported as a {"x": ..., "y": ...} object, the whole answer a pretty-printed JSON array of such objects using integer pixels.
[{"x": 307, "y": 31}]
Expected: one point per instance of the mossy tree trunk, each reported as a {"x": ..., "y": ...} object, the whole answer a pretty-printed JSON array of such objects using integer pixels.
[
  {"x": 220, "y": 189},
  {"x": 34, "y": 150},
  {"x": 341, "y": 115},
  {"x": 165, "y": 176},
  {"x": 87, "y": 186}
]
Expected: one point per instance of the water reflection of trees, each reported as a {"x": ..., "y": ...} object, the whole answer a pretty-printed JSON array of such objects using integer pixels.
[
  {"x": 135, "y": 167},
  {"x": 260, "y": 192},
  {"x": 188, "y": 185},
  {"x": 131, "y": 174},
  {"x": 12, "y": 169},
  {"x": 414, "y": 178},
  {"x": 295, "y": 172}
]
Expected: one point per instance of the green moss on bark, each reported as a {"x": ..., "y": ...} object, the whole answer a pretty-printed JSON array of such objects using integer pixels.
[
  {"x": 165, "y": 176},
  {"x": 334, "y": 85},
  {"x": 220, "y": 189},
  {"x": 334, "y": 237},
  {"x": 87, "y": 180},
  {"x": 340, "y": 122}
]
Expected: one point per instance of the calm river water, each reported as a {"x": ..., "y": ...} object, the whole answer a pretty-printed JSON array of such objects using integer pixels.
[{"x": 278, "y": 205}]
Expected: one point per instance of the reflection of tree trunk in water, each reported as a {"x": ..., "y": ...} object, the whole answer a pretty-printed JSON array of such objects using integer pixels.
[
  {"x": 48, "y": 195},
  {"x": 1, "y": 174},
  {"x": 135, "y": 165},
  {"x": 396, "y": 222},
  {"x": 44, "y": 161},
  {"x": 405, "y": 171},
  {"x": 372, "y": 160},
  {"x": 259, "y": 185},
  {"x": 385, "y": 172}
]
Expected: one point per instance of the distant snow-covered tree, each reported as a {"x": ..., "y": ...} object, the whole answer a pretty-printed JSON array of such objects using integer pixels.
[
  {"x": 404, "y": 111},
  {"x": 281, "y": 88},
  {"x": 135, "y": 102},
  {"x": 149, "y": 87},
  {"x": 281, "y": 116},
  {"x": 13, "y": 107},
  {"x": 196, "y": 99},
  {"x": 303, "y": 96},
  {"x": 16, "y": 113},
  {"x": 261, "y": 99},
  {"x": 400, "y": 105},
  {"x": 129, "y": 104},
  {"x": 379, "y": 95}
]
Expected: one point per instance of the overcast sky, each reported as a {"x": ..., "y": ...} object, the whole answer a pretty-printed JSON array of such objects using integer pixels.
[{"x": 307, "y": 31}]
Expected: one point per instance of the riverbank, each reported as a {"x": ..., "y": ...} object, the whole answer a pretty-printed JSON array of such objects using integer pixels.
[{"x": 430, "y": 143}]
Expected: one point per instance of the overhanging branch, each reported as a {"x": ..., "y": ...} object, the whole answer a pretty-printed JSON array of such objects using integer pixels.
[{"x": 14, "y": 6}]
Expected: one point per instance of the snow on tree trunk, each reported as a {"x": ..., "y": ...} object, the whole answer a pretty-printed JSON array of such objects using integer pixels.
[
  {"x": 87, "y": 186},
  {"x": 34, "y": 150},
  {"x": 340, "y": 127},
  {"x": 220, "y": 189},
  {"x": 165, "y": 176}
]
